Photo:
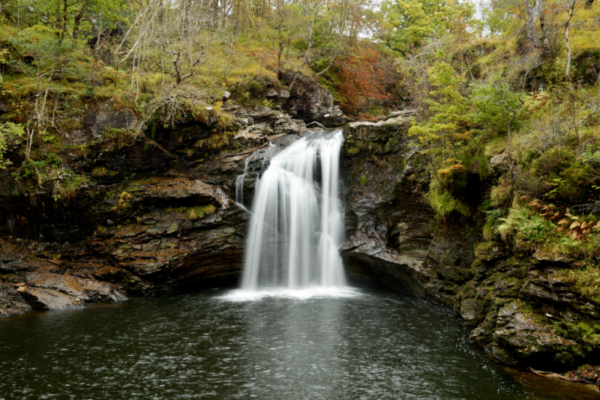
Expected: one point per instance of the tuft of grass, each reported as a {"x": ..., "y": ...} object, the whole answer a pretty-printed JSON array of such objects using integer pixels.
[{"x": 195, "y": 213}]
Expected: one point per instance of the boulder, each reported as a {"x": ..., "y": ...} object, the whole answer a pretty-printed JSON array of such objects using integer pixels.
[
  {"x": 12, "y": 301},
  {"x": 45, "y": 299},
  {"x": 4, "y": 107},
  {"x": 82, "y": 290},
  {"x": 311, "y": 102},
  {"x": 376, "y": 131}
]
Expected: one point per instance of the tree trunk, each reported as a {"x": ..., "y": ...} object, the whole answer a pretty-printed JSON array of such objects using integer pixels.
[
  {"x": 533, "y": 13},
  {"x": 58, "y": 15},
  {"x": 65, "y": 17},
  {"x": 545, "y": 34},
  {"x": 77, "y": 21},
  {"x": 569, "y": 14}
]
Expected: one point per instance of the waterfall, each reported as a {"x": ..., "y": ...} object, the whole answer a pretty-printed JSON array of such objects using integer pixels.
[{"x": 296, "y": 224}]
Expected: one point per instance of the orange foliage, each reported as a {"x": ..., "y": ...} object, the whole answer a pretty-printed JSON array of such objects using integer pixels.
[{"x": 365, "y": 76}]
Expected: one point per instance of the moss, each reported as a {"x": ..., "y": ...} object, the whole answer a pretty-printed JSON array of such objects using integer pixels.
[
  {"x": 363, "y": 180},
  {"x": 585, "y": 281},
  {"x": 488, "y": 251},
  {"x": 102, "y": 171},
  {"x": 502, "y": 194},
  {"x": 495, "y": 146},
  {"x": 444, "y": 203},
  {"x": 195, "y": 213}
]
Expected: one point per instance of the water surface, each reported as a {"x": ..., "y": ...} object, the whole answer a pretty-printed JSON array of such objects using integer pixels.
[{"x": 221, "y": 345}]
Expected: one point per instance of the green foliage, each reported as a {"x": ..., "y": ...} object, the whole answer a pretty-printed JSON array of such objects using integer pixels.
[
  {"x": 586, "y": 281},
  {"x": 525, "y": 228},
  {"x": 488, "y": 99},
  {"x": 77, "y": 19},
  {"x": 46, "y": 50},
  {"x": 406, "y": 24},
  {"x": 492, "y": 219},
  {"x": 10, "y": 134},
  {"x": 48, "y": 176},
  {"x": 443, "y": 203},
  {"x": 448, "y": 122}
]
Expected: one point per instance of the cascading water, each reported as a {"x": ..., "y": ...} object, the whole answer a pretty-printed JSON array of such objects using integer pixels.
[{"x": 296, "y": 225}]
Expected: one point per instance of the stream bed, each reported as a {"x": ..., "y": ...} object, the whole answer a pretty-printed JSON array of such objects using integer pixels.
[{"x": 223, "y": 344}]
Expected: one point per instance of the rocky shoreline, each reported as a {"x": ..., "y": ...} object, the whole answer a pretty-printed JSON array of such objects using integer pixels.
[{"x": 160, "y": 218}]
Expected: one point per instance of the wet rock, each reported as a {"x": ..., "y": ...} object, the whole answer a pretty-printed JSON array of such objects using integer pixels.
[
  {"x": 270, "y": 93},
  {"x": 498, "y": 160},
  {"x": 12, "y": 301},
  {"x": 4, "y": 107},
  {"x": 14, "y": 266},
  {"x": 387, "y": 224},
  {"x": 45, "y": 299},
  {"x": 470, "y": 312},
  {"x": 82, "y": 290},
  {"x": 401, "y": 113}
]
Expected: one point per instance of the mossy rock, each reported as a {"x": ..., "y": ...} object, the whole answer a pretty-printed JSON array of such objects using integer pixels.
[{"x": 490, "y": 251}]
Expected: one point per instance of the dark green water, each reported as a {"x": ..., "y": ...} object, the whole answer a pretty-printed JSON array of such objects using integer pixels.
[{"x": 375, "y": 345}]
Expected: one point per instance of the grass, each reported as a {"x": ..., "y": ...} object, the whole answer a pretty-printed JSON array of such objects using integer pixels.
[{"x": 195, "y": 213}]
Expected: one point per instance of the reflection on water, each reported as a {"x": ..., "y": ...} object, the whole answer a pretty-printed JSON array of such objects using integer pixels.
[{"x": 218, "y": 345}]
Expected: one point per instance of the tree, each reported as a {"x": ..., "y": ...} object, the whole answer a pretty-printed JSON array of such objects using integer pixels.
[
  {"x": 67, "y": 17},
  {"x": 570, "y": 8},
  {"x": 283, "y": 27},
  {"x": 446, "y": 127},
  {"x": 49, "y": 55},
  {"x": 493, "y": 101},
  {"x": 406, "y": 24}
]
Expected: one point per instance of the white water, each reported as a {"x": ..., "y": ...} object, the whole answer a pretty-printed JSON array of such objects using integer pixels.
[{"x": 296, "y": 225}]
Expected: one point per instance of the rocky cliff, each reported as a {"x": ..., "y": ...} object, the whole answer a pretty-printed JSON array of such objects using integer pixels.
[
  {"x": 161, "y": 216},
  {"x": 514, "y": 304}
]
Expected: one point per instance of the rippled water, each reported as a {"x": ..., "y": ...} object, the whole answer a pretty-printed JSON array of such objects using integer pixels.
[{"x": 225, "y": 345}]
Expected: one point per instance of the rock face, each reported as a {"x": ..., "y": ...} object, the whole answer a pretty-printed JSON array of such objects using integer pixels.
[
  {"x": 162, "y": 216},
  {"x": 387, "y": 225},
  {"x": 12, "y": 301},
  {"x": 100, "y": 119},
  {"x": 517, "y": 308},
  {"x": 43, "y": 285},
  {"x": 524, "y": 313},
  {"x": 311, "y": 102}
]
